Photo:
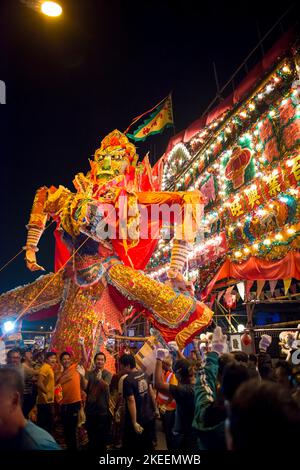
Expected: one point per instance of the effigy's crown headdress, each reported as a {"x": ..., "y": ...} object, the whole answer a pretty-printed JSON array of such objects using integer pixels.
[{"x": 117, "y": 142}]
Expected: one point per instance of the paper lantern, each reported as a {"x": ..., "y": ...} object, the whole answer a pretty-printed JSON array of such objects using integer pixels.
[
  {"x": 230, "y": 300},
  {"x": 246, "y": 339},
  {"x": 235, "y": 168}
]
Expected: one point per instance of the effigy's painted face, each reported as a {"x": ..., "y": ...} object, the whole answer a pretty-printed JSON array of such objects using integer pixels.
[
  {"x": 114, "y": 156},
  {"x": 110, "y": 162}
]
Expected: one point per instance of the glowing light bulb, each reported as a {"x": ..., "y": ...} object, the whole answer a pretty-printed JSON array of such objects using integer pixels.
[
  {"x": 261, "y": 212},
  {"x": 278, "y": 236},
  {"x": 51, "y": 9},
  {"x": 267, "y": 242},
  {"x": 246, "y": 250},
  {"x": 8, "y": 326},
  {"x": 237, "y": 254},
  {"x": 255, "y": 246},
  {"x": 291, "y": 231}
]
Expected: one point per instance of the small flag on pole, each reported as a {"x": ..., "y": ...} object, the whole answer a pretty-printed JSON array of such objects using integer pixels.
[{"x": 154, "y": 121}]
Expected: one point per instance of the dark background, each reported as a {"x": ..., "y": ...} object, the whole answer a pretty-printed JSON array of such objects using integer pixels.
[{"x": 71, "y": 80}]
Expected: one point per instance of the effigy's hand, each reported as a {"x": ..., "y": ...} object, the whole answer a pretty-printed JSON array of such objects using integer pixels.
[
  {"x": 178, "y": 282},
  {"x": 31, "y": 263}
]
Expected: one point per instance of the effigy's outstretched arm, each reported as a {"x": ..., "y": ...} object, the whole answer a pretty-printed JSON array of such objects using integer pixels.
[
  {"x": 186, "y": 227},
  {"x": 35, "y": 227},
  {"x": 48, "y": 202}
]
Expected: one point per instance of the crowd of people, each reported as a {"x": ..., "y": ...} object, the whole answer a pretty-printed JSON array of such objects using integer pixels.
[{"x": 211, "y": 400}]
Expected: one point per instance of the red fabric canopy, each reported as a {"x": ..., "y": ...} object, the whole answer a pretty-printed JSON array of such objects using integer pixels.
[{"x": 258, "y": 269}]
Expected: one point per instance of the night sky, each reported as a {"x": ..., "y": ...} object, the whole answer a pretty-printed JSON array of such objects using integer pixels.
[{"x": 71, "y": 80}]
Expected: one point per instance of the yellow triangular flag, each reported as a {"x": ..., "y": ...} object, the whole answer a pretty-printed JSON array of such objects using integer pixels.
[{"x": 287, "y": 284}]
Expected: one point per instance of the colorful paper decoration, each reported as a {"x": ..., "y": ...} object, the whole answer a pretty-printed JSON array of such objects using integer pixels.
[
  {"x": 260, "y": 286},
  {"x": 241, "y": 289},
  {"x": 235, "y": 168},
  {"x": 272, "y": 284},
  {"x": 286, "y": 283}
]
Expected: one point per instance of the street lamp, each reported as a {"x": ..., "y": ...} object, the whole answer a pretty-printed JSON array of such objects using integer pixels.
[{"x": 51, "y": 9}]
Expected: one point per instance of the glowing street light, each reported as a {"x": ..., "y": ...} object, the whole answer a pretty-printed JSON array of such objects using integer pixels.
[
  {"x": 51, "y": 9},
  {"x": 8, "y": 326},
  {"x": 241, "y": 328}
]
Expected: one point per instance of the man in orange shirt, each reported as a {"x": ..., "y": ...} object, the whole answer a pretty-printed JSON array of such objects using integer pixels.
[
  {"x": 70, "y": 381},
  {"x": 167, "y": 404}
]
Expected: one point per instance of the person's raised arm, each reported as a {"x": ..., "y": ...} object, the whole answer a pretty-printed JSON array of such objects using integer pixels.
[{"x": 159, "y": 384}]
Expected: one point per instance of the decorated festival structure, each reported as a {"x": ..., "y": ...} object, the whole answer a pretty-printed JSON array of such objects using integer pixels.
[
  {"x": 106, "y": 232},
  {"x": 244, "y": 158}
]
